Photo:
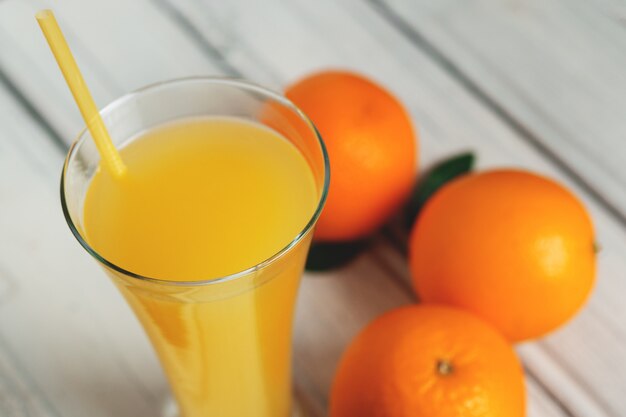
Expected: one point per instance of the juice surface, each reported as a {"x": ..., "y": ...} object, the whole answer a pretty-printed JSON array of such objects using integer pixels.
[{"x": 205, "y": 198}]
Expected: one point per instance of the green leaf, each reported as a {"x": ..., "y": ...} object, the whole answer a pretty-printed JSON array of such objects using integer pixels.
[
  {"x": 324, "y": 256},
  {"x": 434, "y": 179}
]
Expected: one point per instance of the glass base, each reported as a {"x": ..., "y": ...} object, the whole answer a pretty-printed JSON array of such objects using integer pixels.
[{"x": 171, "y": 410}]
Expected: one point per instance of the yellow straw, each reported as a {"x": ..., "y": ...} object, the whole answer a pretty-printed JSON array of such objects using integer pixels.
[{"x": 82, "y": 96}]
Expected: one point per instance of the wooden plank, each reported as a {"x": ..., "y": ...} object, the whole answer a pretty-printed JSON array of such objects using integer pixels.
[
  {"x": 553, "y": 67},
  {"x": 447, "y": 126}
]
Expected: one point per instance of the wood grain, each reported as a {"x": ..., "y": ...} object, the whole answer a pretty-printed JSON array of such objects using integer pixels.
[
  {"x": 102, "y": 364},
  {"x": 552, "y": 70}
]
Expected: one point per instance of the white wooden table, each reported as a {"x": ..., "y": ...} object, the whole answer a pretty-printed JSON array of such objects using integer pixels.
[{"x": 539, "y": 84}]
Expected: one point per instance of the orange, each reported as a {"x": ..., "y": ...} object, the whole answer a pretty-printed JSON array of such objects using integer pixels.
[
  {"x": 428, "y": 361},
  {"x": 515, "y": 248},
  {"x": 371, "y": 146}
]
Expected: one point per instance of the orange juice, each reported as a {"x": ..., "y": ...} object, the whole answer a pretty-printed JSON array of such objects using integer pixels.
[{"x": 205, "y": 198}]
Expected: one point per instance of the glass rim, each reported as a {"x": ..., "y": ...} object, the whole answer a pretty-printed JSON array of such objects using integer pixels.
[{"x": 230, "y": 81}]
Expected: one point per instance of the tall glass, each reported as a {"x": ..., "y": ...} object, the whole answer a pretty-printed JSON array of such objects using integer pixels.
[{"x": 225, "y": 342}]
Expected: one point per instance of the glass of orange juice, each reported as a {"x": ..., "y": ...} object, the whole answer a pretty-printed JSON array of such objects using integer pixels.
[{"x": 207, "y": 234}]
